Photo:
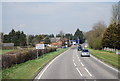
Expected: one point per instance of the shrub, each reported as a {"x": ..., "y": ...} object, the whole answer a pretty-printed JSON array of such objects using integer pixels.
[{"x": 18, "y": 57}]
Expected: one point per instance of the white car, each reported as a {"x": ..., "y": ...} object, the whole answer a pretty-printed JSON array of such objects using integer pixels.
[{"x": 85, "y": 52}]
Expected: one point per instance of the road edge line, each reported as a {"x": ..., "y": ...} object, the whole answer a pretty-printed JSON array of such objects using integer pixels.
[
  {"x": 39, "y": 75},
  {"x": 105, "y": 63}
]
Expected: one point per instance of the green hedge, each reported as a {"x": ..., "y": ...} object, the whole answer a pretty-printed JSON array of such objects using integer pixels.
[{"x": 11, "y": 58}]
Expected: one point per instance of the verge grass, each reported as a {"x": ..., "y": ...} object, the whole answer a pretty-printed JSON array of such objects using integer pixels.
[
  {"x": 106, "y": 56},
  {"x": 5, "y": 51},
  {"x": 30, "y": 68}
]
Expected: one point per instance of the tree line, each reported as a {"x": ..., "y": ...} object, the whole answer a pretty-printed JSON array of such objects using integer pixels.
[
  {"x": 102, "y": 36},
  {"x": 19, "y": 38}
]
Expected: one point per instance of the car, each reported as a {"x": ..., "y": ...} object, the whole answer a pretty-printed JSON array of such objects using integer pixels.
[
  {"x": 79, "y": 48},
  {"x": 85, "y": 53}
]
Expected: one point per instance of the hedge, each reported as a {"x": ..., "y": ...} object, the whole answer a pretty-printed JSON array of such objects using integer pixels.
[{"x": 11, "y": 58}]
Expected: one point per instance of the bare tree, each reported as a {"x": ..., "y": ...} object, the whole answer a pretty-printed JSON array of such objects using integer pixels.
[
  {"x": 94, "y": 36},
  {"x": 119, "y": 12},
  {"x": 115, "y": 13},
  {"x": 61, "y": 33}
]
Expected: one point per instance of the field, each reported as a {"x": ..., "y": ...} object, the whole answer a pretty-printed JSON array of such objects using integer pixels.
[
  {"x": 5, "y": 51},
  {"x": 108, "y": 57},
  {"x": 28, "y": 69}
]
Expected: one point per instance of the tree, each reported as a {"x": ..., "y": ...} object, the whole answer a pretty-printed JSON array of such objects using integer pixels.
[
  {"x": 16, "y": 37},
  {"x": 61, "y": 34},
  {"x": 69, "y": 36},
  {"x": 115, "y": 13},
  {"x": 51, "y": 35},
  {"x": 111, "y": 37},
  {"x": 119, "y": 12},
  {"x": 12, "y": 36},
  {"x": 79, "y": 35},
  {"x": 1, "y": 37},
  {"x": 58, "y": 35},
  {"x": 94, "y": 37},
  {"x": 47, "y": 40},
  {"x": 37, "y": 39},
  {"x": 22, "y": 39}
]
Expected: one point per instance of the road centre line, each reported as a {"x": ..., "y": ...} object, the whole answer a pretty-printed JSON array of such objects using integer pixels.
[
  {"x": 42, "y": 72},
  {"x": 73, "y": 60},
  {"x": 75, "y": 65},
  {"x": 88, "y": 72},
  {"x": 79, "y": 72},
  {"x": 82, "y": 64}
]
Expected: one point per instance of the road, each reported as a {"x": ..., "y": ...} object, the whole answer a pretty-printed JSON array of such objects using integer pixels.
[{"x": 70, "y": 65}]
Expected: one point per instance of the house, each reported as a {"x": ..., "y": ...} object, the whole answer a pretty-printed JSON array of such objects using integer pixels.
[
  {"x": 73, "y": 42},
  {"x": 59, "y": 42},
  {"x": 54, "y": 44}
]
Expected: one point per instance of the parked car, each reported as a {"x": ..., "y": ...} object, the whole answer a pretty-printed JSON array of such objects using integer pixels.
[
  {"x": 79, "y": 48},
  {"x": 85, "y": 53}
]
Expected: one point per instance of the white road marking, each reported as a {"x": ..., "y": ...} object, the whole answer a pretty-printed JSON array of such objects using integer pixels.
[
  {"x": 82, "y": 64},
  {"x": 104, "y": 63},
  {"x": 73, "y": 60},
  {"x": 74, "y": 64},
  {"x": 88, "y": 72},
  {"x": 41, "y": 73},
  {"x": 77, "y": 55},
  {"x": 79, "y": 60},
  {"x": 73, "y": 57},
  {"x": 79, "y": 72}
]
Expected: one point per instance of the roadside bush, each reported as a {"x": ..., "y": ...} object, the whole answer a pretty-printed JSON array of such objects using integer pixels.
[
  {"x": 7, "y": 47},
  {"x": 18, "y": 57}
]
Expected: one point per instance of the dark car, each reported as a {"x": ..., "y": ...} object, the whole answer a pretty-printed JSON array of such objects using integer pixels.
[
  {"x": 85, "y": 52},
  {"x": 79, "y": 48}
]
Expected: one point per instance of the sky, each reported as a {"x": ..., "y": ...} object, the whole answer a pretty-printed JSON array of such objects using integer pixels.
[{"x": 53, "y": 17}]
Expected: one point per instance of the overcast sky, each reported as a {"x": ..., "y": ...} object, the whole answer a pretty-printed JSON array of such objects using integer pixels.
[{"x": 52, "y": 17}]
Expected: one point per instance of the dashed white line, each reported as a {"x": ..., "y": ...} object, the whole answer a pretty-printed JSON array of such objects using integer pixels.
[
  {"x": 73, "y": 57},
  {"x": 74, "y": 64},
  {"x": 88, "y": 72},
  {"x": 79, "y": 71},
  {"x": 73, "y": 60},
  {"x": 78, "y": 57},
  {"x": 82, "y": 64},
  {"x": 79, "y": 60}
]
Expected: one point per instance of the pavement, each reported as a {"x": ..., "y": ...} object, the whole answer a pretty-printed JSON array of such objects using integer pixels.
[{"x": 70, "y": 65}]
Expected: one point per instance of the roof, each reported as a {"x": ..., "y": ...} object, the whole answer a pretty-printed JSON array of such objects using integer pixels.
[
  {"x": 54, "y": 44},
  {"x": 55, "y": 39}
]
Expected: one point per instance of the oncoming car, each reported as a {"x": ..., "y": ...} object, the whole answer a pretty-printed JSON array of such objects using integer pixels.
[
  {"x": 85, "y": 53},
  {"x": 79, "y": 48}
]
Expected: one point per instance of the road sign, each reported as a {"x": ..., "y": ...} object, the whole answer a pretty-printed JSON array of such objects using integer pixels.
[{"x": 40, "y": 46}]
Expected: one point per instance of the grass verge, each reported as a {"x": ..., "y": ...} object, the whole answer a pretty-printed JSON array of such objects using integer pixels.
[
  {"x": 28, "y": 69},
  {"x": 5, "y": 51},
  {"x": 108, "y": 57}
]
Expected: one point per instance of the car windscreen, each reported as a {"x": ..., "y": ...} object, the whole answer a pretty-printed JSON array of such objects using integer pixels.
[{"x": 84, "y": 50}]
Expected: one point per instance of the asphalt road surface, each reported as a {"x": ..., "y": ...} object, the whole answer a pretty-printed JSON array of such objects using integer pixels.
[{"x": 70, "y": 65}]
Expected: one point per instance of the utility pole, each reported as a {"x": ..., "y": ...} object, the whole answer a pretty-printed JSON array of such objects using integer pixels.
[{"x": 27, "y": 37}]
